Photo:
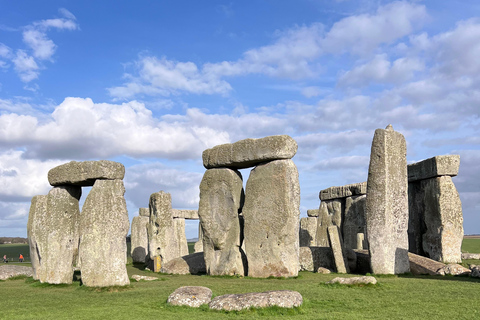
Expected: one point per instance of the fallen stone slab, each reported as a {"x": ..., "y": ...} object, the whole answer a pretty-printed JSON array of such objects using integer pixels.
[
  {"x": 323, "y": 270},
  {"x": 446, "y": 165},
  {"x": 354, "y": 280},
  {"x": 354, "y": 189},
  {"x": 191, "y": 264},
  {"x": 185, "y": 214},
  {"x": 138, "y": 277},
  {"x": 423, "y": 265},
  {"x": 7, "y": 272},
  {"x": 192, "y": 296},
  {"x": 85, "y": 173},
  {"x": 250, "y": 152},
  {"x": 280, "y": 298},
  {"x": 470, "y": 256},
  {"x": 455, "y": 269}
]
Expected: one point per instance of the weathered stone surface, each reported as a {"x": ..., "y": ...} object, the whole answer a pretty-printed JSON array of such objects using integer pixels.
[
  {"x": 162, "y": 238},
  {"x": 85, "y": 173},
  {"x": 313, "y": 212},
  {"x": 185, "y": 214},
  {"x": 354, "y": 221},
  {"x": 221, "y": 199},
  {"x": 387, "y": 203},
  {"x": 424, "y": 265},
  {"x": 7, "y": 271},
  {"x": 469, "y": 256},
  {"x": 138, "y": 277},
  {"x": 280, "y": 298},
  {"x": 191, "y": 264},
  {"x": 456, "y": 270},
  {"x": 250, "y": 152},
  {"x": 446, "y": 165},
  {"x": 330, "y": 214},
  {"x": 443, "y": 218},
  {"x": 354, "y": 280},
  {"x": 361, "y": 241},
  {"x": 144, "y": 212},
  {"x": 179, "y": 227},
  {"x": 271, "y": 214},
  {"x": 198, "y": 247},
  {"x": 343, "y": 191},
  {"x": 339, "y": 254},
  {"x": 312, "y": 258},
  {"x": 104, "y": 226},
  {"x": 54, "y": 234},
  {"x": 308, "y": 230},
  {"x": 192, "y": 296},
  {"x": 139, "y": 239},
  {"x": 322, "y": 270}
]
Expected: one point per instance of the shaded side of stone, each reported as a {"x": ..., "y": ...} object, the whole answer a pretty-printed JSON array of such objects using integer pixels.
[
  {"x": 36, "y": 220},
  {"x": 190, "y": 264},
  {"x": 185, "y": 214},
  {"x": 354, "y": 221},
  {"x": 271, "y": 215},
  {"x": 221, "y": 200},
  {"x": 423, "y": 265},
  {"x": 281, "y": 298},
  {"x": 387, "y": 203},
  {"x": 139, "y": 239},
  {"x": 331, "y": 213},
  {"x": 446, "y": 165},
  {"x": 339, "y": 255},
  {"x": 313, "y": 258},
  {"x": 308, "y": 230},
  {"x": 416, "y": 219},
  {"x": 85, "y": 173},
  {"x": 104, "y": 225},
  {"x": 363, "y": 262},
  {"x": 250, "y": 152},
  {"x": 343, "y": 191}
]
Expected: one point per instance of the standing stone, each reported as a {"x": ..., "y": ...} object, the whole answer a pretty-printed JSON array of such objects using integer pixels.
[
  {"x": 360, "y": 241},
  {"x": 271, "y": 215},
  {"x": 104, "y": 227},
  {"x": 387, "y": 203},
  {"x": 179, "y": 227},
  {"x": 416, "y": 217},
  {"x": 139, "y": 239},
  {"x": 36, "y": 220},
  {"x": 330, "y": 214},
  {"x": 339, "y": 255},
  {"x": 221, "y": 200},
  {"x": 308, "y": 230},
  {"x": 162, "y": 238},
  {"x": 354, "y": 220},
  {"x": 198, "y": 247}
]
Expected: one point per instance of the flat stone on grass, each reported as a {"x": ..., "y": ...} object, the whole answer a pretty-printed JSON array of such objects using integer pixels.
[
  {"x": 7, "y": 272},
  {"x": 192, "y": 296},
  {"x": 280, "y": 298},
  {"x": 354, "y": 280}
]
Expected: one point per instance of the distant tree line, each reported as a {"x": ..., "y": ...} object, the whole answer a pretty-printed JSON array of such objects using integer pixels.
[{"x": 4, "y": 240}]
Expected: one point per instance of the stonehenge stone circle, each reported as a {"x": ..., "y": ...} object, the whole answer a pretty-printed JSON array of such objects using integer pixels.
[
  {"x": 221, "y": 200},
  {"x": 387, "y": 203},
  {"x": 104, "y": 226},
  {"x": 139, "y": 239},
  {"x": 85, "y": 173},
  {"x": 271, "y": 220}
]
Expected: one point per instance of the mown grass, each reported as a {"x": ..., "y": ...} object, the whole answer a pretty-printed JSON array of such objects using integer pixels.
[{"x": 471, "y": 245}]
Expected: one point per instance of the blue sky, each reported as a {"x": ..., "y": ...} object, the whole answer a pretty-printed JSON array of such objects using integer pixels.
[{"x": 152, "y": 84}]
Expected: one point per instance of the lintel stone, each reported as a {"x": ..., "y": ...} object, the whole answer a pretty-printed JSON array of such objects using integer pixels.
[
  {"x": 446, "y": 165},
  {"x": 85, "y": 173},
  {"x": 185, "y": 214},
  {"x": 343, "y": 191}
]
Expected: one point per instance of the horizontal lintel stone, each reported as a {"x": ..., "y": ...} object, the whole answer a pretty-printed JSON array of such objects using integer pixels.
[
  {"x": 348, "y": 190},
  {"x": 446, "y": 165},
  {"x": 85, "y": 173},
  {"x": 185, "y": 214}
]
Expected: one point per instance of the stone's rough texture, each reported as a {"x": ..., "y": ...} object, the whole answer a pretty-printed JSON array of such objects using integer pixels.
[
  {"x": 85, "y": 173},
  {"x": 191, "y": 264},
  {"x": 308, "y": 230},
  {"x": 179, "y": 227},
  {"x": 221, "y": 199},
  {"x": 281, "y": 298},
  {"x": 162, "y": 238},
  {"x": 7, "y": 271},
  {"x": 191, "y": 296},
  {"x": 354, "y": 280},
  {"x": 198, "y": 247},
  {"x": 361, "y": 241},
  {"x": 137, "y": 278},
  {"x": 185, "y": 214},
  {"x": 139, "y": 239},
  {"x": 422, "y": 265},
  {"x": 313, "y": 212},
  {"x": 312, "y": 258},
  {"x": 447, "y": 165},
  {"x": 387, "y": 203},
  {"x": 456, "y": 270},
  {"x": 54, "y": 234},
  {"x": 343, "y": 191},
  {"x": 468, "y": 256},
  {"x": 354, "y": 221},
  {"x": 144, "y": 212},
  {"x": 36, "y": 221},
  {"x": 271, "y": 215},
  {"x": 339, "y": 254},
  {"x": 330, "y": 214},
  {"x": 104, "y": 226},
  {"x": 443, "y": 218},
  {"x": 249, "y": 152},
  {"x": 322, "y": 270}
]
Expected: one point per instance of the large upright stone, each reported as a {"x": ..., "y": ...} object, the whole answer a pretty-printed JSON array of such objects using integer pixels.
[
  {"x": 54, "y": 234},
  {"x": 387, "y": 203},
  {"x": 446, "y": 165},
  {"x": 179, "y": 227},
  {"x": 354, "y": 221},
  {"x": 271, "y": 214},
  {"x": 339, "y": 254},
  {"x": 308, "y": 231},
  {"x": 221, "y": 200},
  {"x": 104, "y": 227},
  {"x": 139, "y": 239},
  {"x": 162, "y": 238},
  {"x": 85, "y": 173},
  {"x": 250, "y": 152},
  {"x": 330, "y": 214}
]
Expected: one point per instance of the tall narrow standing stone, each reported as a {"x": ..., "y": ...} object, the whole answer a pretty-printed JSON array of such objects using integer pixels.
[
  {"x": 139, "y": 239},
  {"x": 387, "y": 203},
  {"x": 271, "y": 214},
  {"x": 179, "y": 227},
  {"x": 36, "y": 220},
  {"x": 354, "y": 220},
  {"x": 308, "y": 230},
  {"x": 221, "y": 199},
  {"x": 104, "y": 227}
]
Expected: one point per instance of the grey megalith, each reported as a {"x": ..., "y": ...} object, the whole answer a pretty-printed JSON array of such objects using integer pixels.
[{"x": 85, "y": 173}]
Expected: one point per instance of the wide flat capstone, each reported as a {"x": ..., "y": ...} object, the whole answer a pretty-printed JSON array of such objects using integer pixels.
[
  {"x": 85, "y": 173},
  {"x": 250, "y": 152},
  {"x": 343, "y": 191},
  {"x": 446, "y": 165}
]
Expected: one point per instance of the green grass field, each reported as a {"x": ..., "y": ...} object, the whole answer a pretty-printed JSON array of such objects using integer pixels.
[{"x": 394, "y": 297}]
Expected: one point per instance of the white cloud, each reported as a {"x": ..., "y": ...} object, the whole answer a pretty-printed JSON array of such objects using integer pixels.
[
  {"x": 5, "y": 51},
  {"x": 43, "y": 48},
  {"x": 26, "y": 66},
  {"x": 312, "y": 91}
]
